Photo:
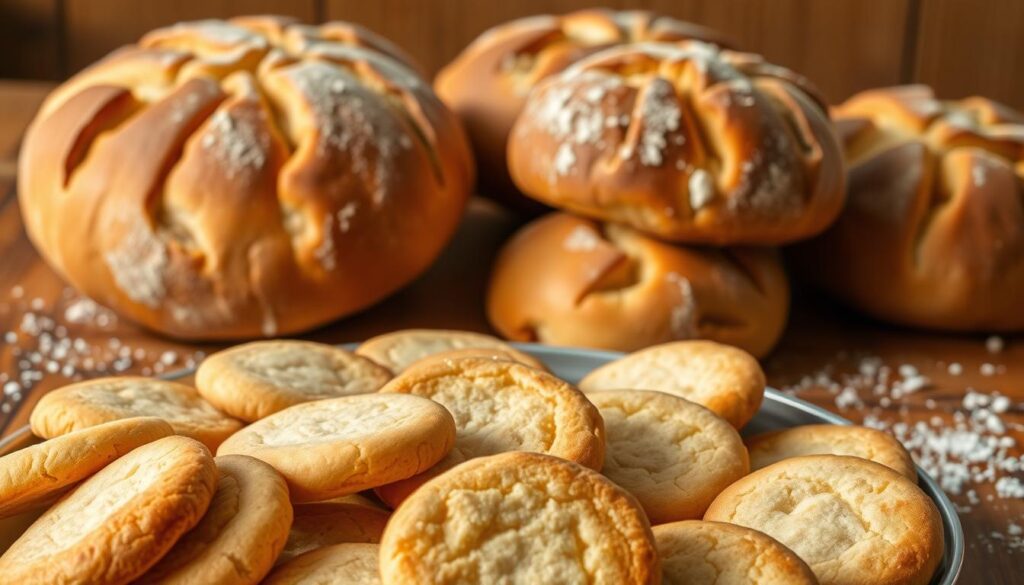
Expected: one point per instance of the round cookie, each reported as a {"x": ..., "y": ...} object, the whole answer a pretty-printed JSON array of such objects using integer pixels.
[
  {"x": 673, "y": 455},
  {"x": 328, "y": 523},
  {"x": 853, "y": 521},
  {"x": 257, "y": 379},
  {"x": 723, "y": 378},
  {"x": 93, "y": 402},
  {"x": 856, "y": 441},
  {"x": 400, "y": 349},
  {"x": 509, "y": 354},
  {"x": 241, "y": 534},
  {"x": 501, "y": 406},
  {"x": 341, "y": 446},
  {"x": 36, "y": 475},
  {"x": 341, "y": 564},
  {"x": 119, "y": 522},
  {"x": 725, "y": 554},
  {"x": 519, "y": 518}
]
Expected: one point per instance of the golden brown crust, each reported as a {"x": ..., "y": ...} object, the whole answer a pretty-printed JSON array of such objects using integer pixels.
[
  {"x": 565, "y": 280},
  {"x": 398, "y": 350},
  {"x": 525, "y": 517},
  {"x": 341, "y": 564},
  {"x": 853, "y": 521},
  {"x": 243, "y": 178},
  {"x": 254, "y": 380},
  {"x": 724, "y": 379},
  {"x": 119, "y": 522},
  {"x": 35, "y": 476},
  {"x": 932, "y": 233},
  {"x": 501, "y": 406},
  {"x": 725, "y": 554},
  {"x": 100, "y": 400},
  {"x": 328, "y": 523},
  {"x": 685, "y": 142}
]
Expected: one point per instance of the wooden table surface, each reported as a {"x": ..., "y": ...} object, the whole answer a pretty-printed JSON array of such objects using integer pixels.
[{"x": 832, "y": 357}]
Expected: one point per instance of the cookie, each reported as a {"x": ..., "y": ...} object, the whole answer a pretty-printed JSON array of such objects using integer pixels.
[
  {"x": 725, "y": 554},
  {"x": 93, "y": 402},
  {"x": 725, "y": 379},
  {"x": 241, "y": 534},
  {"x": 398, "y": 350},
  {"x": 341, "y": 564},
  {"x": 519, "y": 518},
  {"x": 37, "y": 475},
  {"x": 856, "y": 441},
  {"x": 324, "y": 524},
  {"x": 509, "y": 355},
  {"x": 673, "y": 455},
  {"x": 501, "y": 406},
  {"x": 848, "y": 518},
  {"x": 341, "y": 446},
  {"x": 255, "y": 380},
  {"x": 120, "y": 521}
]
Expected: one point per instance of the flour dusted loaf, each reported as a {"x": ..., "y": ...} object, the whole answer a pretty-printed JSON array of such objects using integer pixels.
[
  {"x": 932, "y": 234},
  {"x": 684, "y": 141},
  {"x": 242, "y": 178},
  {"x": 487, "y": 84}
]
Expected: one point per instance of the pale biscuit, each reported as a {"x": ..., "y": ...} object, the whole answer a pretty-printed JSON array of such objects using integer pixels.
[
  {"x": 509, "y": 355},
  {"x": 725, "y": 554},
  {"x": 341, "y": 564},
  {"x": 856, "y": 441},
  {"x": 673, "y": 455},
  {"x": 36, "y": 475},
  {"x": 241, "y": 533},
  {"x": 257, "y": 379},
  {"x": 501, "y": 406},
  {"x": 853, "y": 521},
  {"x": 120, "y": 521},
  {"x": 519, "y": 518},
  {"x": 324, "y": 524},
  {"x": 723, "y": 378},
  {"x": 341, "y": 446},
  {"x": 93, "y": 402},
  {"x": 400, "y": 349}
]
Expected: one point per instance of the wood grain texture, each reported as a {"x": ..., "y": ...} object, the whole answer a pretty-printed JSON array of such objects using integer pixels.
[
  {"x": 966, "y": 47},
  {"x": 30, "y": 39}
]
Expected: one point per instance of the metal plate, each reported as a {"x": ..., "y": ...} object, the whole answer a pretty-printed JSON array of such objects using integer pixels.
[{"x": 777, "y": 411}]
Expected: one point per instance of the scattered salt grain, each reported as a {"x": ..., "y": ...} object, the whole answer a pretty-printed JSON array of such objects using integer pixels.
[
  {"x": 955, "y": 369},
  {"x": 987, "y": 369},
  {"x": 994, "y": 344}
]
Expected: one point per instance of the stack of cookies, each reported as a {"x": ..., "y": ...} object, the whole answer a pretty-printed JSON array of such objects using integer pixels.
[{"x": 451, "y": 457}]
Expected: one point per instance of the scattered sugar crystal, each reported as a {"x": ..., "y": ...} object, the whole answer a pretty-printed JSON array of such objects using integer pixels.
[
  {"x": 955, "y": 369},
  {"x": 994, "y": 344},
  {"x": 988, "y": 369}
]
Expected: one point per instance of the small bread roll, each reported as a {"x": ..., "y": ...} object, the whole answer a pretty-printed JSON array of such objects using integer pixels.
[
  {"x": 932, "y": 234},
  {"x": 486, "y": 85},
  {"x": 566, "y": 280},
  {"x": 683, "y": 141}
]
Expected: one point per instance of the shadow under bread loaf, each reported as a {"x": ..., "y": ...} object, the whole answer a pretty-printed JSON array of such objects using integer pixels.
[
  {"x": 932, "y": 234},
  {"x": 231, "y": 179},
  {"x": 566, "y": 280},
  {"x": 487, "y": 83}
]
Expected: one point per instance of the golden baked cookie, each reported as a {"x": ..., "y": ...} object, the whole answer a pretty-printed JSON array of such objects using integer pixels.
[
  {"x": 509, "y": 354},
  {"x": 725, "y": 379},
  {"x": 93, "y": 402},
  {"x": 853, "y": 521},
  {"x": 501, "y": 406},
  {"x": 694, "y": 552},
  {"x": 519, "y": 518},
  {"x": 37, "y": 475},
  {"x": 340, "y": 446},
  {"x": 120, "y": 521},
  {"x": 327, "y": 523},
  {"x": 241, "y": 533},
  {"x": 341, "y": 564},
  {"x": 255, "y": 380},
  {"x": 872, "y": 444},
  {"x": 398, "y": 350},
  {"x": 673, "y": 455}
]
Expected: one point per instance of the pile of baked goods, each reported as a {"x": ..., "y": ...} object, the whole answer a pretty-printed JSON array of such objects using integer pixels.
[{"x": 451, "y": 457}]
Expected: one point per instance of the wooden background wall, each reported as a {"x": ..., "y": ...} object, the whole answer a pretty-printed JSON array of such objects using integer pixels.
[{"x": 961, "y": 47}]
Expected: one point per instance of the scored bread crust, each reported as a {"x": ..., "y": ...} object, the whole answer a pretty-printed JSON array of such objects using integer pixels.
[
  {"x": 932, "y": 234},
  {"x": 487, "y": 83},
  {"x": 566, "y": 280},
  {"x": 684, "y": 141},
  {"x": 252, "y": 177}
]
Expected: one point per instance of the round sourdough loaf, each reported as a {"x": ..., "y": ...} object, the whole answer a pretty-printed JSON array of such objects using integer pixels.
[{"x": 227, "y": 179}]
